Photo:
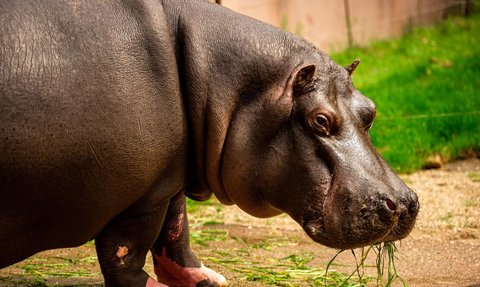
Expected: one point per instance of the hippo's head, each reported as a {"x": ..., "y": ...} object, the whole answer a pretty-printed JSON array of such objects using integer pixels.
[{"x": 304, "y": 149}]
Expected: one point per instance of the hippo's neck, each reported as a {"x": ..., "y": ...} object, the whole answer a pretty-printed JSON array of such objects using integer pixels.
[{"x": 225, "y": 60}]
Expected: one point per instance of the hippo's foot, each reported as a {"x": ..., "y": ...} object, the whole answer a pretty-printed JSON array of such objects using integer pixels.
[{"x": 172, "y": 274}]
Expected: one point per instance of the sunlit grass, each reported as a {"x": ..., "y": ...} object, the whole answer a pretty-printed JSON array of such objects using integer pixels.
[
  {"x": 426, "y": 88},
  {"x": 292, "y": 270},
  {"x": 36, "y": 270},
  {"x": 295, "y": 270}
]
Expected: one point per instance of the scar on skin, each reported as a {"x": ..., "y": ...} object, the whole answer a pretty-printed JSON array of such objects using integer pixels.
[
  {"x": 122, "y": 252},
  {"x": 176, "y": 229}
]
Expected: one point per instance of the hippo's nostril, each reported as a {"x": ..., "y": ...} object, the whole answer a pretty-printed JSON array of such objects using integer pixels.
[{"x": 390, "y": 204}]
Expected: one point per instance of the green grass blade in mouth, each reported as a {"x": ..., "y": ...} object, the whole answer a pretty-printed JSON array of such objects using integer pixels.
[{"x": 385, "y": 257}]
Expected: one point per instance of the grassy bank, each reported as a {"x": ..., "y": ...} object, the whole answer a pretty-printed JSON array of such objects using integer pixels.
[{"x": 426, "y": 87}]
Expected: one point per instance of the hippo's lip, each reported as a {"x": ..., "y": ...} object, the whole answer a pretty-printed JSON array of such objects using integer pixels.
[{"x": 313, "y": 224}]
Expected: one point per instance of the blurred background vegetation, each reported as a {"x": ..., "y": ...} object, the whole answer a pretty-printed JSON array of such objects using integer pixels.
[
  {"x": 426, "y": 87},
  {"x": 420, "y": 63}
]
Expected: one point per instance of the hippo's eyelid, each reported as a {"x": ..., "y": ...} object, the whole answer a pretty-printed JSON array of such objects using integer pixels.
[
  {"x": 323, "y": 122},
  {"x": 320, "y": 124}
]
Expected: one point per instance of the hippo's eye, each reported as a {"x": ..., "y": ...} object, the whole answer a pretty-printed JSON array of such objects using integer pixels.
[{"x": 321, "y": 125}]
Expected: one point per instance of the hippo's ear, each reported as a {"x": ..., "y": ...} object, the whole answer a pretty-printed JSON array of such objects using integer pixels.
[
  {"x": 351, "y": 68},
  {"x": 304, "y": 80}
]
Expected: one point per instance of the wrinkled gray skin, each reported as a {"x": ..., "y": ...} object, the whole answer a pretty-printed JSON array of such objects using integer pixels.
[{"x": 110, "y": 108}]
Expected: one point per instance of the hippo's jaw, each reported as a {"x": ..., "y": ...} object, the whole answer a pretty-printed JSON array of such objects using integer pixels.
[
  {"x": 312, "y": 221},
  {"x": 370, "y": 226}
]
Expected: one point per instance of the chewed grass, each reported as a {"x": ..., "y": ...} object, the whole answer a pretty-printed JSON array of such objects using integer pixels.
[
  {"x": 260, "y": 259},
  {"x": 203, "y": 236},
  {"x": 55, "y": 267},
  {"x": 386, "y": 262},
  {"x": 297, "y": 269},
  {"x": 302, "y": 268},
  {"x": 292, "y": 270},
  {"x": 39, "y": 271}
]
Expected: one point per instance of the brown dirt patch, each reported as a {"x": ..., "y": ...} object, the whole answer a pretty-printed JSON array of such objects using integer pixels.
[{"x": 443, "y": 249}]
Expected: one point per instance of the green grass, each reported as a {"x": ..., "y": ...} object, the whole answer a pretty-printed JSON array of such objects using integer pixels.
[
  {"x": 292, "y": 270},
  {"x": 203, "y": 236},
  {"x": 426, "y": 88},
  {"x": 296, "y": 269},
  {"x": 385, "y": 257},
  {"x": 37, "y": 270}
]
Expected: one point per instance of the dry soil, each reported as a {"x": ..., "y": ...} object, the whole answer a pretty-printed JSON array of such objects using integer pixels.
[{"x": 442, "y": 250}]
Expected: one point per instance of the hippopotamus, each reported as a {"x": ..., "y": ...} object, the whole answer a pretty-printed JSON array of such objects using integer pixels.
[{"x": 112, "y": 112}]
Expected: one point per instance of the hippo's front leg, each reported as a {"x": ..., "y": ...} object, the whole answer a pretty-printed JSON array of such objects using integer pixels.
[
  {"x": 175, "y": 263},
  {"x": 123, "y": 244}
]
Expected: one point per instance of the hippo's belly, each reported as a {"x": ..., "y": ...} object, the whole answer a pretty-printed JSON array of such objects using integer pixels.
[{"x": 87, "y": 127}]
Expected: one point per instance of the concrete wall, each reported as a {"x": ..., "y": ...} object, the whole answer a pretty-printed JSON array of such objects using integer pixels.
[{"x": 324, "y": 22}]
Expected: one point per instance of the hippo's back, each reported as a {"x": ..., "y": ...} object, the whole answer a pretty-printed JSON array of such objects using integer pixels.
[{"x": 90, "y": 116}]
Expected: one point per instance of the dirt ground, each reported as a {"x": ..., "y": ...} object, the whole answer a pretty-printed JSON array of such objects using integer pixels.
[{"x": 442, "y": 250}]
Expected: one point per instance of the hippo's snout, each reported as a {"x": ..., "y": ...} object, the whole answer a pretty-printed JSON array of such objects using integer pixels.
[{"x": 351, "y": 220}]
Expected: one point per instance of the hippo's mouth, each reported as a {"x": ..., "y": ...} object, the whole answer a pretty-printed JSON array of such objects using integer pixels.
[
  {"x": 315, "y": 228},
  {"x": 351, "y": 229},
  {"x": 325, "y": 225},
  {"x": 313, "y": 223}
]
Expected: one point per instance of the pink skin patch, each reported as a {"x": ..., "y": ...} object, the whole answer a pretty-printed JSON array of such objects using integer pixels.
[
  {"x": 153, "y": 283},
  {"x": 176, "y": 231},
  {"x": 172, "y": 274}
]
